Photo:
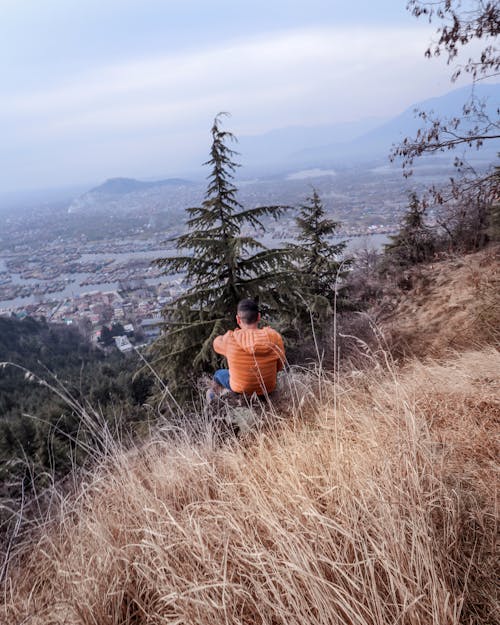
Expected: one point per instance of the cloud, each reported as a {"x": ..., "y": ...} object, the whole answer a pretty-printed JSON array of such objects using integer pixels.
[
  {"x": 299, "y": 77},
  {"x": 235, "y": 70}
]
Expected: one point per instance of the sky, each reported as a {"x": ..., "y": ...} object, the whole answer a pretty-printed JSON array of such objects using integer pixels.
[{"x": 95, "y": 89}]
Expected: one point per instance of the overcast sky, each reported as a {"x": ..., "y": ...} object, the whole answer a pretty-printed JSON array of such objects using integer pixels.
[{"x": 93, "y": 89}]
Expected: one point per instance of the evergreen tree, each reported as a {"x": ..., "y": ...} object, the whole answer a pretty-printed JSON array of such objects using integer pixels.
[
  {"x": 117, "y": 329},
  {"x": 43, "y": 357},
  {"x": 414, "y": 242},
  {"x": 221, "y": 266},
  {"x": 106, "y": 337},
  {"x": 319, "y": 268}
]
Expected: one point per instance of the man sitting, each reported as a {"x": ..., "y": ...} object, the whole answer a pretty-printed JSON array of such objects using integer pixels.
[{"x": 254, "y": 355}]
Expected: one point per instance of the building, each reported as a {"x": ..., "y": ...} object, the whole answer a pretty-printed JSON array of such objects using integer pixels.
[
  {"x": 123, "y": 344},
  {"x": 152, "y": 327}
]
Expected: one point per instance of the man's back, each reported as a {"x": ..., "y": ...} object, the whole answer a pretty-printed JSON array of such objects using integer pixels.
[{"x": 254, "y": 357}]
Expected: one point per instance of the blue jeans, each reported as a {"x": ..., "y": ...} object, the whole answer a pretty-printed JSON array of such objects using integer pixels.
[{"x": 221, "y": 376}]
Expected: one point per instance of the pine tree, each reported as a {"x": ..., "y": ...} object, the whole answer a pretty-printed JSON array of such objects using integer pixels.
[
  {"x": 221, "y": 266},
  {"x": 319, "y": 268},
  {"x": 414, "y": 242},
  {"x": 106, "y": 337}
]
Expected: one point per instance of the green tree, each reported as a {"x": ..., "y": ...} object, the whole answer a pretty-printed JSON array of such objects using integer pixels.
[
  {"x": 117, "y": 329},
  {"x": 221, "y": 265},
  {"x": 318, "y": 265},
  {"x": 106, "y": 337},
  {"x": 414, "y": 242},
  {"x": 45, "y": 369}
]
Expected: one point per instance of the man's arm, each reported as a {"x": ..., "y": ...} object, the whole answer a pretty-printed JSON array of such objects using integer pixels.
[
  {"x": 278, "y": 348},
  {"x": 220, "y": 344}
]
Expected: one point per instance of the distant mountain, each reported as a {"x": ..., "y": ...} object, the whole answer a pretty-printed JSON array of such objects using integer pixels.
[
  {"x": 275, "y": 154},
  {"x": 279, "y": 145},
  {"x": 122, "y": 186},
  {"x": 126, "y": 195},
  {"x": 309, "y": 147},
  {"x": 377, "y": 142}
]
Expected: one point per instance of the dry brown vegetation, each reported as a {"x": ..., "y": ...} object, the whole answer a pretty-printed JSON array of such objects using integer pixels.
[
  {"x": 452, "y": 305},
  {"x": 368, "y": 497},
  {"x": 374, "y": 502}
]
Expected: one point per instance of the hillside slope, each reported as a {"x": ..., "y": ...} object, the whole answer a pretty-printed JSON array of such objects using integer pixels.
[
  {"x": 450, "y": 305},
  {"x": 367, "y": 500}
]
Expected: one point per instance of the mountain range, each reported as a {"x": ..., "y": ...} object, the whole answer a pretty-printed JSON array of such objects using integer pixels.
[
  {"x": 284, "y": 150},
  {"x": 331, "y": 145}
]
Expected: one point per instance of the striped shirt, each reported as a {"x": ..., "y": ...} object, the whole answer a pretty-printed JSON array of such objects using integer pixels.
[{"x": 254, "y": 357}]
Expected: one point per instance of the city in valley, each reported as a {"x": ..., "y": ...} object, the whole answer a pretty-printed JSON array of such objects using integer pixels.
[{"x": 88, "y": 260}]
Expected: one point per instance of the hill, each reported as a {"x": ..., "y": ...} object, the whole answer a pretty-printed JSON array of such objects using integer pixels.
[
  {"x": 120, "y": 186},
  {"x": 365, "y": 141},
  {"x": 123, "y": 195},
  {"x": 367, "y": 498},
  {"x": 377, "y": 142},
  {"x": 445, "y": 307},
  {"x": 41, "y": 425},
  {"x": 285, "y": 145}
]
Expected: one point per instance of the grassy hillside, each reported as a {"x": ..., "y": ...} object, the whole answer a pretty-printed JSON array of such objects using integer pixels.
[
  {"x": 446, "y": 306},
  {"x": 369, "y": 499},
  {"x": 41, "y": 429}
]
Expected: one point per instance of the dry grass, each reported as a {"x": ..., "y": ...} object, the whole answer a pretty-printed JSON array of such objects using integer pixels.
[
  {"x": 373, "y": 503},
  {"x": 453, "y": 305}
]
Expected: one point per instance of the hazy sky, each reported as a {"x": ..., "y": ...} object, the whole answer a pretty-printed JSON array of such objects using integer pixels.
[{"x": 93, "y": 89}]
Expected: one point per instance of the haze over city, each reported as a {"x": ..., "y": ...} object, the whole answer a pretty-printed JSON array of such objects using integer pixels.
[{"x": 96, "y": 90}]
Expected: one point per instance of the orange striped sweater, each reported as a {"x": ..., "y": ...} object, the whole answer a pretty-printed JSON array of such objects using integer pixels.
[{"x": 254, "y": 357}]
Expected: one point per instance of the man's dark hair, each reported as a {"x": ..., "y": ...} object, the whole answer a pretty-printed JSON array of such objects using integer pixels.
[{"x": 248, "y": 310}]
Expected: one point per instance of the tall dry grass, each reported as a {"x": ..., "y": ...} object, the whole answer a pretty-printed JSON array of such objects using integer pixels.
[
  {"x": 372, "y": 502},
  {"x": 453, "y": 305}
]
